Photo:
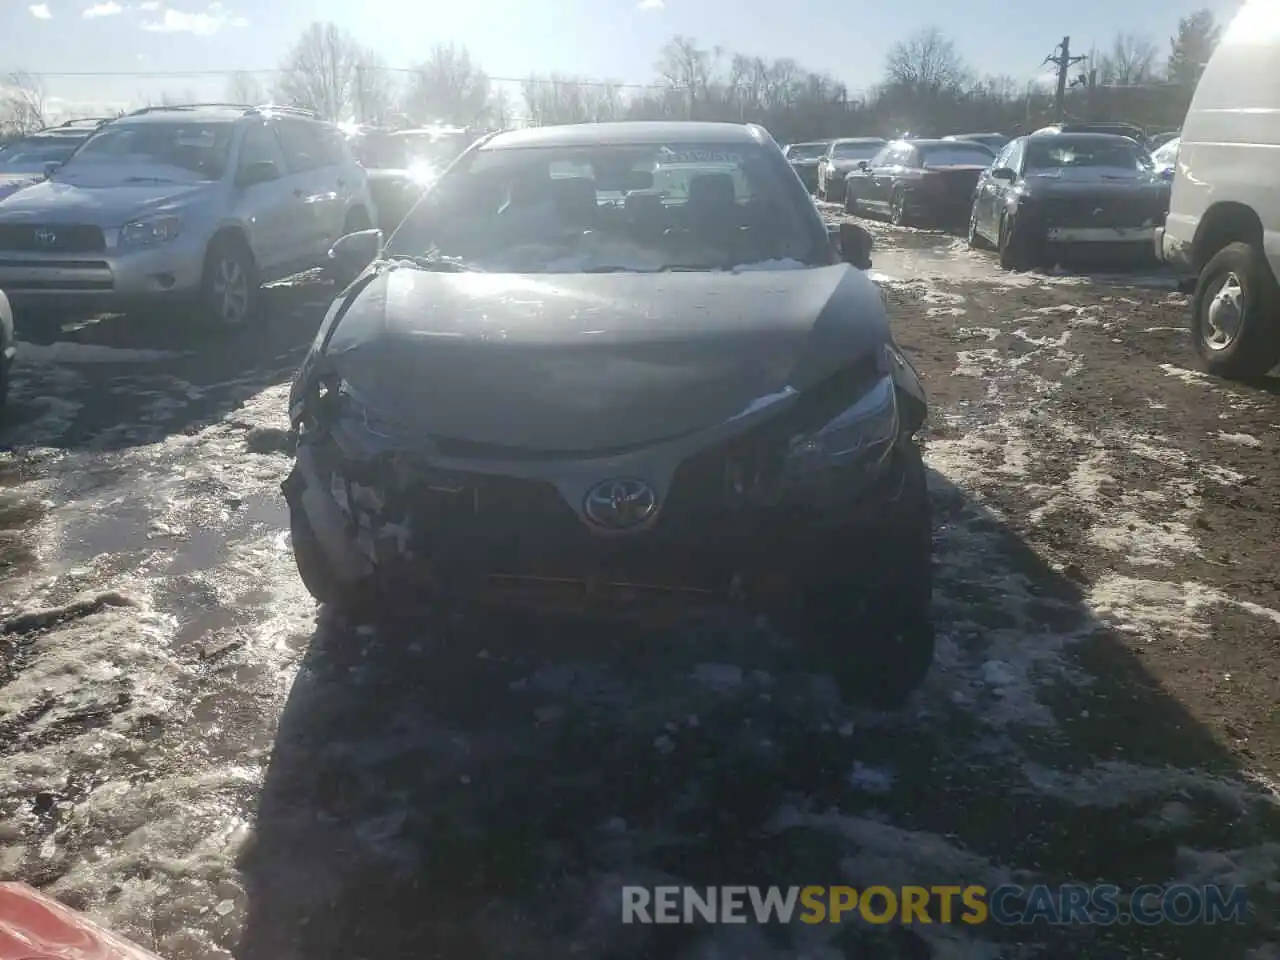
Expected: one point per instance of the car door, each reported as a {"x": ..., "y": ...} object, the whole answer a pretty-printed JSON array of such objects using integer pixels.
[
  {"x": 1011, "y": 158},
  {"x": 985, "y": 192},
  {"x": 309, "y": 182},
  {"x": 273, "y": 218},
  {"x": 887, "y": 169},
  {"x": 338, "y": 176},
  {"x": 857, "y": 184}
]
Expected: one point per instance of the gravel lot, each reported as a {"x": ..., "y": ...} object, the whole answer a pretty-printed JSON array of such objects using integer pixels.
[{"x": 191, "y": 754}]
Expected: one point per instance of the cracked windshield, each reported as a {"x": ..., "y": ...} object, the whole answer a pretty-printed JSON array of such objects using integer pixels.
[{"x": 651, "y": 480}]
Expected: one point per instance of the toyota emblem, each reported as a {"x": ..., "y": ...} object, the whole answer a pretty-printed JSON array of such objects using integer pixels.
[
  {"x": 46, "y": 237},
  {"x": 620, "y": 504}
]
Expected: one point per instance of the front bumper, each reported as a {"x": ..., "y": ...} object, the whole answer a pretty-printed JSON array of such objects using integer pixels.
[
  {"x": 110, "y": 277},
  {"x": 495, "y": 539}
]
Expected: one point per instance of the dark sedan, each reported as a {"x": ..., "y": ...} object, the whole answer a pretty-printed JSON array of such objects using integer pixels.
[
  {"x": 915, "y": 181},
  {"x": 993, "y": 141},
  {"x": 562, "y": 386},
  {"x": 1051, "y": 192},
  {"x": 804, "y": 159},
  {"x": 841, "y": 158}
]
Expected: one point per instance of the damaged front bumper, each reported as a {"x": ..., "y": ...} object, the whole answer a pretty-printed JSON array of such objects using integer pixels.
[{"x": 729, "y": 525}]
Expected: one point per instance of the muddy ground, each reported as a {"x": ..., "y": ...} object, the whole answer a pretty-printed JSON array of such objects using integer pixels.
[{"x": 203, "y": 761}]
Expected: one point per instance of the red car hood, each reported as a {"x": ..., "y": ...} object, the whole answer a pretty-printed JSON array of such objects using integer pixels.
[{"x": 36, "y": 927}]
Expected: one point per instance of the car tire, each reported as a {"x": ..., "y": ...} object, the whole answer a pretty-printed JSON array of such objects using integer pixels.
[
  {"x": 975, "y": 240},
  {"x": 1236, "y": 290},
  {"x": 316, "y": 573},
  {"x": 880, "y": 645},
  {"x": 1016, "y": 251},
  {"x": 899, "y": 216},
  {"x": 229, "y": 289}
]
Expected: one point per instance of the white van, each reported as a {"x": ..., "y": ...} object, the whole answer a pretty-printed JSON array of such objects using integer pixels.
[{"x": 1224, "y": 214}]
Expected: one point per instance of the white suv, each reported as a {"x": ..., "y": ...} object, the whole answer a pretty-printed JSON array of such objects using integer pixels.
[{"x": 200, "y": 204}]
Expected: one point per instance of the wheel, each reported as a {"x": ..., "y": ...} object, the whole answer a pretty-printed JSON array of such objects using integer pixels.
[
  {"x": 229, "y": 291},
  {"x": 879, "y": 642},
  {"x": 976, "y": 240},
  {"x": 317, "y": 575},
  {"x": 1234, "y": 314},
  {"x": 1016, "y": 252},
  {"x": 898, "y": 208}
]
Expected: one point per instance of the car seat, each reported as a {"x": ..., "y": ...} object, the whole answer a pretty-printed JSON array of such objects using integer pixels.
[
  {"x": 646, "y": 216},
  {"x": 575, "y": 199}
]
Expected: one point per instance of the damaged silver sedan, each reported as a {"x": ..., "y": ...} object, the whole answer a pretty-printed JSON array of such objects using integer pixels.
[{"x": 610, "y": 365}]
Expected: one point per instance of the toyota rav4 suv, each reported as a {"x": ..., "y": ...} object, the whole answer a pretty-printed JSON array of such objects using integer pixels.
[{"x": 198, "y": 203}]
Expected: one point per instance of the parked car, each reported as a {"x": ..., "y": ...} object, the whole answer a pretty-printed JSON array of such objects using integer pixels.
[
  {"x": 737, "y": 424},
  {"x": 195, "y": 203},
  {"x": 8, "y": 347},
  {"x": 402, "y": 164},
  {"x": 1117, "y": 129},
  {"x": 993, "y": 141},
  {"x": 1047, "y": 192},
  {"x": 913, "y": 181},
  {"x": 804, "y": 159},
  {"x": 841, "y": 157},
  {"x": 29, "y": 159},
  {"x": 1165, "y": 158},
  {"x": 1224, "y": 213}
]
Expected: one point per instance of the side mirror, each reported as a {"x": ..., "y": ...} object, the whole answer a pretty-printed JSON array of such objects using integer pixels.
[
  {"x": 260, "y": 171},
  {"x": 864, "y": 165},
  {"x": 1003, "y": 173},
  {"x": 854, "y": 243},
  {"x": 51, "y": 167},
  {"x": 350, "y": 254}
]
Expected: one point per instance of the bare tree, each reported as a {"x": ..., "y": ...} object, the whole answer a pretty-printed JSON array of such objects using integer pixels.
[
  {"x": 926, "y": 63},
  {"x": 243, "y": 87},
  {"x": 329, "y": 72},
  {"x": 561, "y": 99},
  {"x": 686, "y": 67},
  {"x": 22, "y": 106},
  {"x": 448, "y": 86},
  {"x": 1131, "y": 60}
]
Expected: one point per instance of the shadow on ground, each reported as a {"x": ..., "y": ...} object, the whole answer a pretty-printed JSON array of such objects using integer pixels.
[
  {"x": 483, "y": 788},
  {"x": 118, "y": 381}
]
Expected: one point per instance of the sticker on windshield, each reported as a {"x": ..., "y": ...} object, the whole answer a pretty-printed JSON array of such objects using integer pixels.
[{"x": 700, "y": 156}]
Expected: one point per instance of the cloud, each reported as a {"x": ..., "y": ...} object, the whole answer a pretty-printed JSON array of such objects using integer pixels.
[
  {"x": 40, "y": 11},
  {"x": 203, "y": 24},
  {"x": 651, "y": 4},
  {"x": 108, "y": 9},
  {"x": 149, "y": 5}
]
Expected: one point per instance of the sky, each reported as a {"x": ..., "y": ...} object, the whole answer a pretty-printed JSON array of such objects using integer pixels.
[{"x": 615, "y": 39}]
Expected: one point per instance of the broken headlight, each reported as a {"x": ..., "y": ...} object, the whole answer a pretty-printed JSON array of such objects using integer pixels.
[{"x": 863, "y": 432}]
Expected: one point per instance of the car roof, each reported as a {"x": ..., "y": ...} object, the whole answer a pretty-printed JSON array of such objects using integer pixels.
[
  {"x": 860, "y": 140},
  {"x": 1076, "y": 137},
  {"x": 939, "y": 142},
  {"x": 627, "y": 131}
]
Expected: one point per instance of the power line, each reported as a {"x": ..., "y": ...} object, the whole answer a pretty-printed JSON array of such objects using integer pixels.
[{"x": 180, "y": 74}]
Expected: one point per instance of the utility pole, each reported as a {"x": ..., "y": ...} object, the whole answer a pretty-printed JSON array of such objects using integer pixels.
[{"x": 1064, "y": 61}]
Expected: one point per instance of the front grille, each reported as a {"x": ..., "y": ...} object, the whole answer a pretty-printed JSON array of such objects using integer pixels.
[
  {"x": 1101, "y": 212},
  {"x": 62, "y": 238}
]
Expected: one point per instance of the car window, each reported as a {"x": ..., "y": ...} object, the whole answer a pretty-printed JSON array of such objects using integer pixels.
[
  {"x": 333, "y": 145},
  {"x": 259, "y": 145},
  {"x": 1016, "y": 151},
  {"x": 38, "y": 151},
  {"x": 300, "y": 141},
  {"x": 806, "y": 151},
  {"x": 199, "y": 150},
  {"x": 882, "y": 158},
  {"x": 855, "y": 151},
  {"x": 956, "y": 154},
  {"x": 642, "y": 207},
  {"x": 1087, "y": 152}
]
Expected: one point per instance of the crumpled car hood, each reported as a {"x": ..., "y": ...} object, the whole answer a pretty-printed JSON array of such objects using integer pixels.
[{"x": 583, "y": 362}]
